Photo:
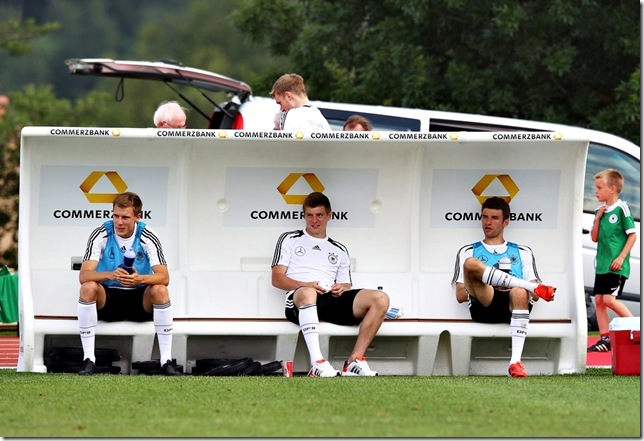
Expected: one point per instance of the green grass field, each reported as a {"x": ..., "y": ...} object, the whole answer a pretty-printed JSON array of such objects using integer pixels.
[{"x": 595, "y": 404}]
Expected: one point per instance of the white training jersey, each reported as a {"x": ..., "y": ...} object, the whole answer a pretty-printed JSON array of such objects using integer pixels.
[
  {"x": 305, "y": 118},
  {"x": 309, "y": 259},
  {"x": 149, "y": 242},
  {"x": 528, "y": 264}
]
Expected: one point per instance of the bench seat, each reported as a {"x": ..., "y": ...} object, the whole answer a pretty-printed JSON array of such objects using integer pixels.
[{"x": 406, "y": 346}]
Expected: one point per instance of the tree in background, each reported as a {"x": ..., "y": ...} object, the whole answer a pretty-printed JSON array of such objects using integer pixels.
[
  {"x": 564, "y": 61},
  {"x": 15, "y": 39},
  {"x": 34, "y": 105},
  {"x": 43, "y": 93},
  {"x": 193, "y": 32},
  {"x": 202, "y": 36}
]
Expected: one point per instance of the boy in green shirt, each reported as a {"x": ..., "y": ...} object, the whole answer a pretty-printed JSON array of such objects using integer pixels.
[{"x": 615, "y": 233}]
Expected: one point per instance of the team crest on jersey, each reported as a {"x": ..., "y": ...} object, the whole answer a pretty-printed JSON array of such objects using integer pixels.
[
  {"x": 612, "y": 218},
  {"x": 300, "y": 251},
  {"x": 483, "y": 259},
  {"x": 333, "y": 258}
]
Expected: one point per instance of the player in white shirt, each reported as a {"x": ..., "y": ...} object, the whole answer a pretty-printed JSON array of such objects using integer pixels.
[
  {"x": 315, "y": 271},
  {"x": 499, "y": 279},
  {"x": 297, "y": 113}
]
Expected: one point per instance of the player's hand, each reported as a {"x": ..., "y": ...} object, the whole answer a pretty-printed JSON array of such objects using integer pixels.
[
  {"x": 127, "y": 279},
  {"x": 616, "y": 264},
  {"x": 116, "y": 273},
  {"x": 337, "y": 290},
  {"x": 600, "y": 211},
  {"x": 321, "y": 287}
]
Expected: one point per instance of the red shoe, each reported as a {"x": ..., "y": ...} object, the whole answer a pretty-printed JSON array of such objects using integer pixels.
[
  {"x": 516, "y": 370},
  {"x": 546, "y": 292}
]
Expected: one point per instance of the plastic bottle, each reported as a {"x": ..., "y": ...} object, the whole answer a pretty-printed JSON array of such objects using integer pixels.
[
  {"x": 505, "y": 264},
  {"x": 128, "y": 261}
]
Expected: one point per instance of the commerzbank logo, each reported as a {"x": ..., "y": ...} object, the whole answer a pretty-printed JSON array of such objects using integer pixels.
[
  {"x": 487, "y": 180},
  {"x": 288, "y": 183},
  {"x": 102, "y": 198}
]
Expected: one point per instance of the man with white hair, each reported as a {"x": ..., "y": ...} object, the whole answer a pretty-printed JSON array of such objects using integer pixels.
[{"x": 170, "y": 115}]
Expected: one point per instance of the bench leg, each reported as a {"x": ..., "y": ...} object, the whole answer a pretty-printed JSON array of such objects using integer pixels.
[
  {"x": 180, "y": 350},
  {"x": 426, "y": 357},
  {"x": 142, "y": 346},
  {"x": 567, "y": 362},
  {"x": 324, "y": 345},
  {"x": 285, "y": 347},
  {"x": 461, "y": 354}
]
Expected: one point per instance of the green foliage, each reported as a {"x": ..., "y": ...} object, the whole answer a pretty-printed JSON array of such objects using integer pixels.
[
  {"x": 623, "y": 113},
  {"x": 277, "y": 23},
  {"x": 558, "y": 60},
  {"x": 66, "y": 405},
  {"x": 16, "y": 36},
  {"x": 34, "y": 106},
  {"x": 43, "y": 92}
]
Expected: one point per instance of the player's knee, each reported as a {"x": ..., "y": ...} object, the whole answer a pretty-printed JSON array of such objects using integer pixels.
[
  {"x": 380, "y": 300},
  {"x": 305, "y": 296},
  {"x": 472, "y": 267},
  {"x": 158, "y": 294},
  {"x": 89, "y": 292}
]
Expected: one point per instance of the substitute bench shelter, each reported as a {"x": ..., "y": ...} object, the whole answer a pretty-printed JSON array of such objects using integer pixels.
[{"x": 404, "y": 203}]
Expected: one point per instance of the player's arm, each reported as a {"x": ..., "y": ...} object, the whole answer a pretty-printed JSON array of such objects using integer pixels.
[
  {"x": 461, "y": 294},
  {"x": 280, "y": 280},
  {"x": 457, "y": 280},
  {"x": 159, "y": 276},
  {"x": 88, "y": 273},
  {"x": 342, "y": 277},
  {"x": 529, "y": 270},
  {"x": 594, "y": 231},
  {"x": 619, "y": 260}
]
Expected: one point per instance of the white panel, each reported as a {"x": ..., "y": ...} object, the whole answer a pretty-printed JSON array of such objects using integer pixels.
[{"x": 202, "y": 189}]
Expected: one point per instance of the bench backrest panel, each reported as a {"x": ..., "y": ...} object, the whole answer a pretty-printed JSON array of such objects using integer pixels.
[{"x": 219, "y": 203}]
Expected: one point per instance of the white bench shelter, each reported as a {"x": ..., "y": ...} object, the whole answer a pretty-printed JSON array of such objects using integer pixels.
[{"x": 405, "y": 202}]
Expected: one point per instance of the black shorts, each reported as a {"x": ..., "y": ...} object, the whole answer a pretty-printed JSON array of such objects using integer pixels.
[
  {"x": 609, "y": 283},
  {"x": 336, "y": 310},
  {"x": 124, "y": 304},
  {"x": 498, "y": 311}
]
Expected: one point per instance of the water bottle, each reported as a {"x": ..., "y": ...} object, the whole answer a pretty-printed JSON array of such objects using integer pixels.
[
  {"x": 128, "y": 261},
  {"x": 505, "y": 264}
]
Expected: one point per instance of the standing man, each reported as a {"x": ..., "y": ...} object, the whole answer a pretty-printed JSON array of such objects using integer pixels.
[
  {"x": 297, "y": 113},
  {"x": 170, "y": 115},
  {"x": 499, "y": 280},
  {"x": 111, "y": 293},
  {"x": 314, "y": 270}
]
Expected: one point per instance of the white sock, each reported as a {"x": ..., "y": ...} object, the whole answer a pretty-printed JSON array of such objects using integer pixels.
[
  {"x": 309, "y": 324},
  {"x": 162, "y": 316},
  {"x": 519, "y": 332},
  {"x": 496, "y": 277},
  {"x": 87, "y": 321}
]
